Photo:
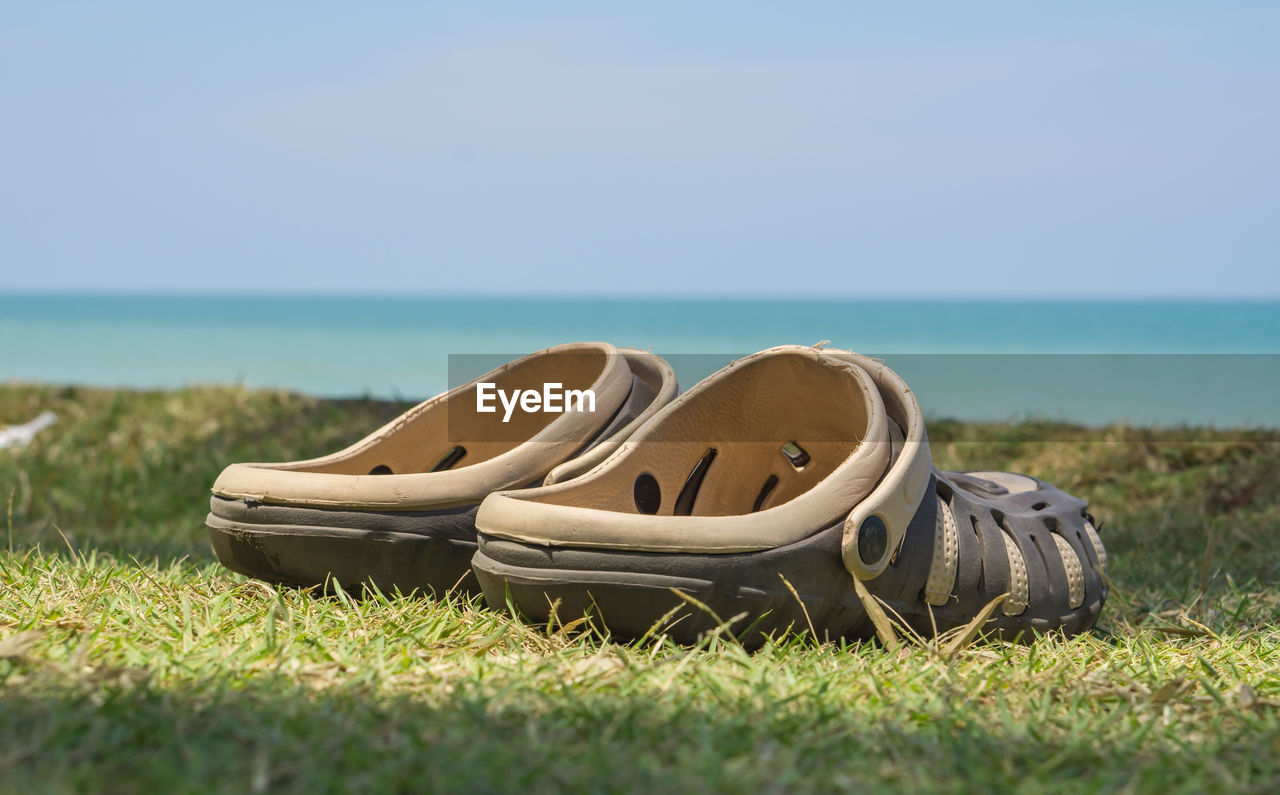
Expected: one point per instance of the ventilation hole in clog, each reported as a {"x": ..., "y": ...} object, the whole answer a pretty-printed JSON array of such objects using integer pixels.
[
  {"x": 1089, "y": 552},
  {"x": 1095, "y": 543},
  {"x": 1044, "y": 561},
  {"x": 982, "y": 549},
  {"x": 450, "y": 458},
  {"x": 796, "y": 454},
  {"x": 689, "y": 492},
  {"x": 381, "y": 469},
  {"x": 765, "y": 491},
  {"x": 1039, "y": 506},
  {"x": 1000, "y": 521},
  {"x": 648, "y": 494}
]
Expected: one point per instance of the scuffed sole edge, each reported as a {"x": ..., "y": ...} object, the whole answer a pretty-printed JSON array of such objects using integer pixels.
[
  {"x": 632, "y": 604},
  {"x": 303, "y": 556}
]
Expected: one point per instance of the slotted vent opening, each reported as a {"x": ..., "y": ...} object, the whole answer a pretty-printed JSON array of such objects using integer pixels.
[
  {"x": 1088, "y": 549},
  {"x": 1044, "y": 561},
  {"x": 944, "y": 491},
  {"x": 765, "y": 491},
  {"x": 982, "y": 549},
  {"x": 449, "y": 459},
  {"x": 692, "y": 483}
]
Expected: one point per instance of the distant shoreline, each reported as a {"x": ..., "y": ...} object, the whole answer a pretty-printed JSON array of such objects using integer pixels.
[
  {"x": 1093, "y": 362},
  {"x": 39, "y": 395}
]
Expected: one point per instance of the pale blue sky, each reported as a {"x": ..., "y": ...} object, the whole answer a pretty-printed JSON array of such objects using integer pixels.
[{"x": 1014, "y": 149}]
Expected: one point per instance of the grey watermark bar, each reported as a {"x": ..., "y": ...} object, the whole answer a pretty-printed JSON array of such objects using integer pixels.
[
  {"x": 502, "y": 403},
  {"x": 1226, "y": 392}
]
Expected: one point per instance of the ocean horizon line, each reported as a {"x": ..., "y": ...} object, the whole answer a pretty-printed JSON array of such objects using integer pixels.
[{"x": 728, "y": 298}]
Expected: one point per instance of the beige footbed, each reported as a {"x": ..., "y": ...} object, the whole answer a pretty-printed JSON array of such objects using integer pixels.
[
  {"x": 828, "y": 405},
  {"x": 498, "y": 455}
]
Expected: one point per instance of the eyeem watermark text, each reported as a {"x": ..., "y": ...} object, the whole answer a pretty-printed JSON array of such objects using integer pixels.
[{"x": 553, "y": 399}]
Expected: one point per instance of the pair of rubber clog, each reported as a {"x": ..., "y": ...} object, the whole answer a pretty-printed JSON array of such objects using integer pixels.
[{"x": 755, "y": 498}]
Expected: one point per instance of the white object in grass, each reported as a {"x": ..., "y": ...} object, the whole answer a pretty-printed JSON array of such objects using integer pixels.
[{"x": 21, "y": 435}]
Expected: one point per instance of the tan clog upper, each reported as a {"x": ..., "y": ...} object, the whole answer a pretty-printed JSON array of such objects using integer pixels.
[{"x": 495, "y": 455}]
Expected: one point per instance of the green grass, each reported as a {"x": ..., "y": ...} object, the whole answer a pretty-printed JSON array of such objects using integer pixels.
[{"x": 130, "y": 661}]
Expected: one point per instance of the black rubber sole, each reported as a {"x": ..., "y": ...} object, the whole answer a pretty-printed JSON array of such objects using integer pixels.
[
  {"x": 427, "y": 553},
  {"x": 631, "y": 594}
]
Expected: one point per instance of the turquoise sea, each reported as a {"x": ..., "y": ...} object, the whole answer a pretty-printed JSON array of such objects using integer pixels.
[{"x": 1092, "y": 362}]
